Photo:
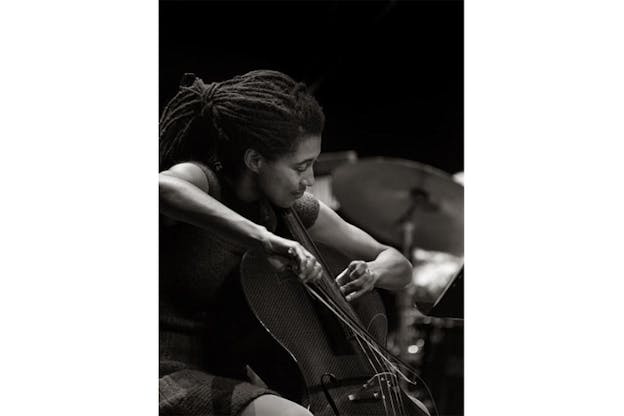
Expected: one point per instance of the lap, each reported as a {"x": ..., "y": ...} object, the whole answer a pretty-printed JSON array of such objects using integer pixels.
[
  {"x": 188, "y": 392},
  {"x": 192, "y": 392}
]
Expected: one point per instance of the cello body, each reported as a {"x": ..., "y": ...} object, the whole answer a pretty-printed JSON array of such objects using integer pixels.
[{"x": 320, "y": 366}]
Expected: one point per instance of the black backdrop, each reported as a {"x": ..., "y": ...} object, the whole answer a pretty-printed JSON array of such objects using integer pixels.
[{"x": 389, "y": 74}]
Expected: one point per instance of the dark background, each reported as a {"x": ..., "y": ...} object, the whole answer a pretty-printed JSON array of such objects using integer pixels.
[{"x": 389, "y": 74}]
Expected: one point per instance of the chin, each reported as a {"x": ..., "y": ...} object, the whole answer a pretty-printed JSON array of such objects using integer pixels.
[
  {"x": 288, "y": 204},
  {"x": 283, "y": 203}
]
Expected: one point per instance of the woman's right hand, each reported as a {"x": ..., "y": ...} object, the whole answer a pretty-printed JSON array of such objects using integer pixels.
[{"x": 288, "y": 254}]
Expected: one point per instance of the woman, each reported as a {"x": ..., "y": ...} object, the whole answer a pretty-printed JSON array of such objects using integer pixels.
[{"x": 230, "y": 152}]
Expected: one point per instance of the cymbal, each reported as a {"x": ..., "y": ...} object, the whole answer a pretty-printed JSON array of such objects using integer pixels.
[{"x": 382, "y": 195}]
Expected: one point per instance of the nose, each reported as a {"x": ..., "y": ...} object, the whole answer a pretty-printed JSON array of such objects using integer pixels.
[{"x": 308, "y": 178}]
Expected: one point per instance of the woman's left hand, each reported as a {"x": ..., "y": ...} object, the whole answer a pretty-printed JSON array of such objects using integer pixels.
[{"x": 356, "y": 280}]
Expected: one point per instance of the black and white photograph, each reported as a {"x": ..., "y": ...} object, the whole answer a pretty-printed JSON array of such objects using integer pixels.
[
  {"x": 265, "y": 208},
  {"x": 311, "y": 208}
]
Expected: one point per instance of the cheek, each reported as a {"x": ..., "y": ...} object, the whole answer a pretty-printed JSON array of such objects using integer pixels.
[
  {"x": 284, "y": 185},
  {"x": 284, "y": 178},
  {"x": 278, "y": 182}
]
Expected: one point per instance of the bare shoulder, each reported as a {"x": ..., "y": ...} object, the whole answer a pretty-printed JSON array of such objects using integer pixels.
[{"x": 192, "y": 172}]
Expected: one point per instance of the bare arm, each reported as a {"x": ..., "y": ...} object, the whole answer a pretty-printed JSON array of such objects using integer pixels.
[
  {"x": 375, "y": 264},
  {"x": 184, "y": 196}
]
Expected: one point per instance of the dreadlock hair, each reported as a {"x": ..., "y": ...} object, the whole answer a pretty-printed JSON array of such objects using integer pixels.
[{"x": 215, "y": 123}]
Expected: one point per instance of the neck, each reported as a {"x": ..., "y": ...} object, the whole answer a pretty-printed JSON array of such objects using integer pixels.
[{"x": 246, "y": 187}]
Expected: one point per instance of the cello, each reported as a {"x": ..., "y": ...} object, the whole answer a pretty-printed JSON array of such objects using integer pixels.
[{"x": 332, "y": 357}]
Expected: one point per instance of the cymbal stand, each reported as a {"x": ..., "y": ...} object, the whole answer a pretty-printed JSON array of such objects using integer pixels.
[
  {"x": 405, "y": 296},
  {"x": 420, "y": 200}
]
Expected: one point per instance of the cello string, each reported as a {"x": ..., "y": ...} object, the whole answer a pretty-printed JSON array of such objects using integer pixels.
[
  {"x": 377, "y": 353},
  {"x": 303, "y": 235},
  {"x": 390, "y": 387},
  {"x": 366, "y": 353},
  {"x": 383, "y": 396},
  {"x": 422, "y": 382},
  {"x": 343, "y": 315},
  {"x": 355, "y": 326},
  {"x": 331, "y": 305},
  {"x": 397, "y": 388},
  {"x": 374, "y": 346},
  {"x": 311, "y": 246},
  {"x": 380, "y": 351},
  {"x": 392, "y": 394},
  {"x": 360, "y": 332},
  {"x": 377, "y": 349}
]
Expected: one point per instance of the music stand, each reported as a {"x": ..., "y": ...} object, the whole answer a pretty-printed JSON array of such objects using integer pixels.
[{"x": 450, "y": 304}]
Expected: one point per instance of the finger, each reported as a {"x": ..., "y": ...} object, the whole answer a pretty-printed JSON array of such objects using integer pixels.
[
  {"x": 296, "y": 260},
  {"x": 292, "y": 260},
  {"x": 306, "y": 270},
  {"x": 359, "y": 272},
  {"x": 296, "y": 250},
  {"x": 340, "y": 279},
  {"x": 279, "y": 263},
  {"x": 365, "y": 282},
  {"x": 318, "y": 275},
  {"x": 353, "y": 265},
  {"x": 354, "y": 295},
  {"x": 292, "y": 252},
  {"x": 312, "y": 270},
  {"x": 357, "y": 268},
  {"x": 306, "y": 259},
  {"x": 351, "y": 286},
  {"x": 295, "y": 253}
]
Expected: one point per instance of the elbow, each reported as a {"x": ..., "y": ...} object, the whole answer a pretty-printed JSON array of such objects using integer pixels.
[
  {"x": 166, "y": 185},
  {"x": 406, "y": 275},
  {"x": 399, "y": 279},
  {"x": 168, "y": 189},
  {"x": 396, "y": 271},
  {"x": 405, "y": 271}
]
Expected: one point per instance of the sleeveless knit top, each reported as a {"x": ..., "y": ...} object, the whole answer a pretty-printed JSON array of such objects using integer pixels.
[{"x": 198, "y": 290}]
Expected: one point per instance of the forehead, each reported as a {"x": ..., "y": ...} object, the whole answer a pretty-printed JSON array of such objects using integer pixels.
[{"x": 308, "y": 147}]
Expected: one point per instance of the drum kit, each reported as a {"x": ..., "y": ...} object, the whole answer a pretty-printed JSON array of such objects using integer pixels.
[
  {"x": 419, "y": 210},
  {"x": 406, "y": 204}
]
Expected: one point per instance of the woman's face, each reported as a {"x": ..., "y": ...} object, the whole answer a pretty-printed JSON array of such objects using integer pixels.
[{"x": 285, "y": 179}]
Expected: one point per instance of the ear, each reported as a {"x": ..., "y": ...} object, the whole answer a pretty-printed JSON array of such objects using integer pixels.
[{"x": 253, "y": 160}]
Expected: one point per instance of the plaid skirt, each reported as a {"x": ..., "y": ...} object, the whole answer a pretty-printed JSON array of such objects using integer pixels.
[{"x": 191, "y": 392}]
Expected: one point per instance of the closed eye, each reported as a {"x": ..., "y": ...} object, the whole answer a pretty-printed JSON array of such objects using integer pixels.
[
  {"x": 302, "y": 168},
  {"x": 304, "y": 165}
]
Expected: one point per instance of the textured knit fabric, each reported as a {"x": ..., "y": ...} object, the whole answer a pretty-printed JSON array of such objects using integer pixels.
[
  {"x": 194, "y": 392},
  {"x": 205, "y": 324}
]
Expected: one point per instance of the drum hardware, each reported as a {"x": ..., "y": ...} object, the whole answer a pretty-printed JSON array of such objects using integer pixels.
[{"x": 420, "y": 210}]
